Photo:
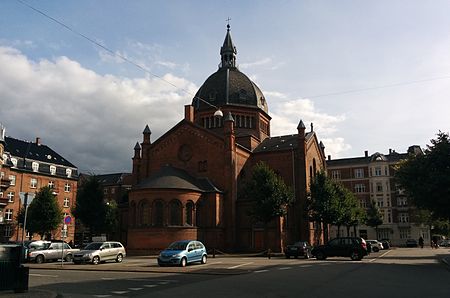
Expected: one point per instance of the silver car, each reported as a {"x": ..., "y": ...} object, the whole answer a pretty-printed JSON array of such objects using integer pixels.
[
  {"x": 97, "y": 252},
  {"x": 44, "y": 251}
]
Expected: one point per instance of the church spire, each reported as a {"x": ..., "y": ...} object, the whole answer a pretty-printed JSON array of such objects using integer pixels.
[{"x": 228, "y": 51}]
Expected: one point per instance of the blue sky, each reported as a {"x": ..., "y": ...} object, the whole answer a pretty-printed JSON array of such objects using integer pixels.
[{"x": 370, "y": 75}]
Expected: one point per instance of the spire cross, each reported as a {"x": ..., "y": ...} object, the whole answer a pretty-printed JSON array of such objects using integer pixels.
[{"x": 228, "y": 22}]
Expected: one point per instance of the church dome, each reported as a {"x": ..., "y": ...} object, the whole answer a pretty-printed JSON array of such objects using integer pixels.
[{"x": 228, "y": 85}]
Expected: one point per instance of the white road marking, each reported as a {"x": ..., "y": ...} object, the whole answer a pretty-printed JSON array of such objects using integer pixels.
[
  {"x": 150, "y": 286},
  {"x": 240, "y": 265},
  {"x": 259, "y": 271},
  {"x": 42, "y": 275},
  {"x": 100, "y": 296},
  {"x": 304, "y": 266},
  {"x": 108, "y": 278},
  {"x": 135, "y": 289},
  {"x": 163, "y": 282},
  {"x": 380, "y": 256},
  {"x": 120, "y": 292},
  {"x": 284, "y": 268}
]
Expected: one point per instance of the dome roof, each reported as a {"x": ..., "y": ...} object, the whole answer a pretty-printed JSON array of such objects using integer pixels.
[{"x": 229, "y": 86}]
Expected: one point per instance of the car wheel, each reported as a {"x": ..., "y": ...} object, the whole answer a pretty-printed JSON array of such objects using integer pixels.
[
  {"x": 375, "y": 249},
  {"x": 204, "y": 259},
  {"x": 307, "y": 254},
  {"x": 96, "y": 260},
  {"x": 69, "y": 258},
  {"x": 183, "y": 262},
  {"x": 119, "y": 258},
  {"x": 40, "y": 259},
  {"x": 320, "y": 255},
  {"x": 355, "y": 256}
]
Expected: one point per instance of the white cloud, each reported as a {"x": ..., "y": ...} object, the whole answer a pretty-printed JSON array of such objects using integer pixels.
[
  {"x": 92, "y": 120},
  {"x": 263, "y": 61},
  {"x": 286, "y": 116}
]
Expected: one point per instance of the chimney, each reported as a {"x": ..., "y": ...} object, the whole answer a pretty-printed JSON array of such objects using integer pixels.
[
  {"x": 366, "y": 153},
  {"x": 189, "y": 113},
  {"x": 390, "y": 150},
  {"x": 38, "y": 141},
  {"x": 329, "y": 157}
]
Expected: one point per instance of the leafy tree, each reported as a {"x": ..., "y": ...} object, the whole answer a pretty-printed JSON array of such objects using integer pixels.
[
  {"x": 270, "y": 194},
  {"x": 322, "y": 203},
  {"x": 426, "y": 178},
  {"x": 90, "y": 207},
  {"x": 348, "y": 213},
  {"x": 374, "y": 216},
  {"x": 44, "y": 214}
]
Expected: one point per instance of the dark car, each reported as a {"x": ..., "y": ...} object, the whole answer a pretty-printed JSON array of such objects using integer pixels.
[
  {"x": 411, "y": 243},
  {"x": 298, "y": 249},
  {"x": 353, "y": 247},
  {"x": 386, "y": 243}
]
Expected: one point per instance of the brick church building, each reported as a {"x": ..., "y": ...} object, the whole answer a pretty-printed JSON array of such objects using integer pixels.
[{"x": 186, "y": 184}]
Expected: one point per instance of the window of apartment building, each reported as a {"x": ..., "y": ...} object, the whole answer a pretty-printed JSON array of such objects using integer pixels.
[
  {"x": 377, "y": 171},
  {"x": 105, "y": 191},
  {"x": 379, "y": 187},
  {"x": 52, "y": 170},
  {"x": 336, "y": 174},
  {"x": 380, "y": 203},
  {"x": 35, "y": 166},
  {"x": 403, "y": 217},
  {"x": 67, "y": 187},
  {"x": 33, "y": 183},
  {"x": 389, "y": 218},
  {"x": 12, "y": 180},
  {"x": 14, "y": 162},
  {"x": 2, "y": 174},
  {"x": 385, "y": 171},
  {"x": 402, "y": 202},
  {"x": 405, "y": 233},
  {"x": 10, "y": 197},
  {"x": 68, "y": 173},
  {"x": 8, "y": 231},
  {"x": 9, "y": 214},
  {"x": 51, "y": 184},
  {"x": 113, "y": 190},
  {"x": 360, "y": 188},
  {"x": 1, "y": 194},
  {"x": 359, "y": 173},
  {"x": 363, "y": 203},
  {"x": 66, "y": 202}
]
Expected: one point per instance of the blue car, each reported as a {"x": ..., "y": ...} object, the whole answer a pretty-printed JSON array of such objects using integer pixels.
[{"x": 182, "y": 253}]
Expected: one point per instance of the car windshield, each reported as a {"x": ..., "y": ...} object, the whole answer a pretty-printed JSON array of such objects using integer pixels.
[
  {"x": 177, "y": 246},
  {"x": 93, "y": 246}
]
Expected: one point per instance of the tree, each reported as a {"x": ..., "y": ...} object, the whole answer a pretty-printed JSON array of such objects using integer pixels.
[
  {"x": 374, "y": 216},
  {"x": 348, "y": 213},
  {"x": 321, "y": 203},
  {"x": 426, "y": 177},
  {"x": 270, "y": 194},
  {"x": 90, "y": 208},
  {"x": 44, "y": 214}
]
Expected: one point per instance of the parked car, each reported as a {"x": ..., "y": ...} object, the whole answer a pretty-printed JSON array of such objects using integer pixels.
[
  {"x": 46, "y": 251},
  {"x": 444, "y": 243},
  {"x": 386, "y": 243},
  {"x": 97, "y": 252},
  {"x": 182, "y": 253},
  {"x": 300, "y": 248},
  {"x": 375, "y": 244},
  {"x": 353, "y": 247},
  {"x": 411, "y": 243}
]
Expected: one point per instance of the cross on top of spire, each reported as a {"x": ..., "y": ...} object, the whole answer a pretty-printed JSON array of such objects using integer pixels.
[{"x": 228, "y": 23}]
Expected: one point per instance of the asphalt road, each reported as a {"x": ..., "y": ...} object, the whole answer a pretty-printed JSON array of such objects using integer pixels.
[{"x": 393, "y": 273}]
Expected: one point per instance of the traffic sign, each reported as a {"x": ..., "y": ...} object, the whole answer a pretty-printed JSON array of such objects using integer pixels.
[{"x": 67, "y": 220}]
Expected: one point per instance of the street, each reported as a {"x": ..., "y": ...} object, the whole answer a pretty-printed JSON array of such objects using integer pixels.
[{"x": 402, "y": 272}]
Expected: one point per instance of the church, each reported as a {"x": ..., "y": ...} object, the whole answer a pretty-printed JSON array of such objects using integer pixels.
[{"x": 187, "y": 184}]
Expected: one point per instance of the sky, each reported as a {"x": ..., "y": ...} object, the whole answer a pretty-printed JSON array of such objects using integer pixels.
[{"x": 370, "y": 75}]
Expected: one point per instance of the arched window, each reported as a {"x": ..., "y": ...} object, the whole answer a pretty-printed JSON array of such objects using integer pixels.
[
  {"x": 144, "y": 213},
  {"x": 314, "y": 167},
  {"x": 158, "y": 213},
  {"x": 200, "y": 213},
  {"x": 189, "y": 213},
  {"x": 175, "y": 213},
  {"x": 133, "y": 214}
]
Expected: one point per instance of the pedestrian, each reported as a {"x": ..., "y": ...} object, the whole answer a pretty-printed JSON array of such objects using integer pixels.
[{"x": 421, "y": 242}]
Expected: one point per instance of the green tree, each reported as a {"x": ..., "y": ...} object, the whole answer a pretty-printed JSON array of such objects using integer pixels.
[
  {"x": 348, "y": 213},
  {"x": 90, "y": 208},
  {"x": 322, "y": 203},
  {"x": 270, "y": 195},
  {"x": 44, "y": 214},
  {"x": 374, "y": 216},
  {"x": 426, "y": 177}
]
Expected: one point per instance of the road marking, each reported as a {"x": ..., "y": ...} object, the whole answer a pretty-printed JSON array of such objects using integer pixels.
[
  {"x": 120, "y": 292},
  {"x": 42, "y": 275},
  {"x": 259, "y": 271},
  {"x": 240, "y": 265},
  {"x": 304, "y": 266},
  {"x": 100, "y": 296},
  {"x": 150, "y": 286},
  {"x": 135, "y": 289},
  {"x": 380, "y": 256},
  {"x": 108, "y": 278},
  {"x": 284, "y": 268},
  {"x": 163, "y": 282}
]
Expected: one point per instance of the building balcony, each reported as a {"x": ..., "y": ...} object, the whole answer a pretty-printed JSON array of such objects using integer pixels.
[
  {"x": 4, "y": 184},
  {"x": 3, "y": 202}
]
